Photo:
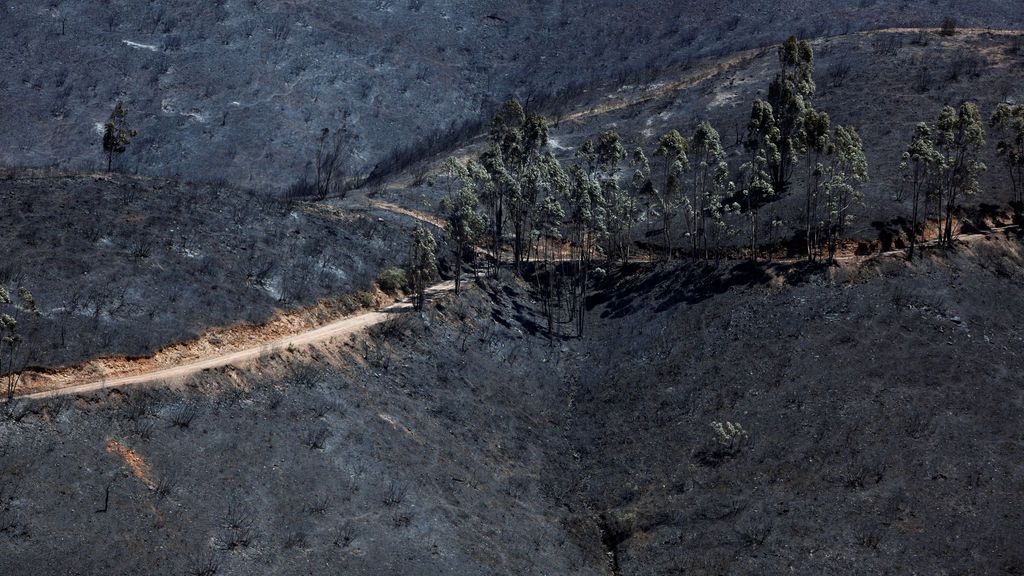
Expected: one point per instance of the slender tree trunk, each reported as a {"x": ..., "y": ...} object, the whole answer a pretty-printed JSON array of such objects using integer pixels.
[
  {"x": 950, "y": 205},
  {"x": 458, "y": 268},
  {"x": 1013, "y": 184},
  {"x": 809, "y": 211},
  {"x": 913, "y": 223},
  {"x": 753, "y": 233}
]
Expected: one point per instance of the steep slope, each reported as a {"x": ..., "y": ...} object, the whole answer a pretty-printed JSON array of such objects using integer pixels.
[
  {"x": 858, "y": 421},
  {"x": 240, "y": 90},
  {"x": 397, "y": 463},
  {"x": 742, "y": 420}
]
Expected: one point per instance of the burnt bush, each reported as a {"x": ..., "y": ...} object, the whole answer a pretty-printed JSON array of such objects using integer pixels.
[
  {"x": 838, "y": 72},
  {"x": 183, "y": 413},
  {"x": 948, "y": 27},
  {"x": 316, "y": 439}
]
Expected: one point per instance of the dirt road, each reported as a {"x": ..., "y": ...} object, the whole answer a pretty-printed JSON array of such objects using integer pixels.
[{"x": 336, "y": 329}]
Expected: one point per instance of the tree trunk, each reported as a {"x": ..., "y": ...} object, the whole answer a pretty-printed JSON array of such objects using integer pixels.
[
  {"x": 753, "y": 235},
  {"x": 950, "y": 204},
  {"x": 668, "y": 237},
  {"x": 458, "y": 268},
  {"x": 913, "y": 224}
]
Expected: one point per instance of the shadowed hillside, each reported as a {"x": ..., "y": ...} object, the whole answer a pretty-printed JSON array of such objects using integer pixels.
[{"x": 846, "y": 421}]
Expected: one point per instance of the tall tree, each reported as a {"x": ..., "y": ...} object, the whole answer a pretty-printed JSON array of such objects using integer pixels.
[
  {"x": 639, "y": 187},
  {"x": 463, "y": 221},
  {"x": 486, "y": 192},
  {"x": 422, "y": 263},
  {"x": 711, "y": 185},
  {"x": 920, "y": 165},
  {"x": 762, "y": 144},
  {"x": 666, "y": 198},
  {"x": 959, "y": 137},
  {"x": 815, "y": 144},
  {"x": 117, "y": 134},
  {"x": 620, "y": 205},
  {"x": 518, "y": 142},
  {"x": 585, "y": 219},
  {"x": 550, "y": 220},
  {"x": 776, "y": 121},
  {"x": 845, "y": 174},
  {"x": 756, "y": 192},
  {"x": 1008, "y": 123}
]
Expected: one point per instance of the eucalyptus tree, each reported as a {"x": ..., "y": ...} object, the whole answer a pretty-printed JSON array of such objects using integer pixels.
[
  {"x": 756, "y": 192},
  {"x": 518, "y": 143},
  {"x": 422, "y": 263},
  {"x": 921, "y": 165},
  {"x": 463, "y": 221},
  {"x": 639, "y": 187},
  {"x": 846, "y": 173},
  {"x": 585, "y": 221},
  {"x": 15, "y": 332},
  {"x": 776, "y": 121},
  {"x": 485, "y": 190},
  {"x": 711, "y": 185},
  {"x": 959, "y": 137},
  {"x": 667, "y": 195},
  {"x": 1008, "y": 123},
  {"x": 762, "y": 145},
  {"x": 549, "y": 225},
  {"x": 620, "y": 204},
  {"x": 329, "y": 156},
  {"x": 815, "y": 144}
]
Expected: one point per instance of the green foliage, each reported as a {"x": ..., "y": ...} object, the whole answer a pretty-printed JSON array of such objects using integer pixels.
[
  {"x": 666, "y": 198},
  {"x": 392, "y": 279},
  {"x": 463, "y": 221},
  {"x": 921, "y": 165},
  {"x": 515, "y": 166},
  {"x": 775, "y": 123},
  {"x": 1008, "y": 123},
  {"x": 117, "y": 134},
  {"x": 711, "y": 185},
  {"x": 959, "y": 137},
  {"x": 756, "y": 192},
  {"x": 422, "y": 263},
  {"x": 843, "y": 177}
]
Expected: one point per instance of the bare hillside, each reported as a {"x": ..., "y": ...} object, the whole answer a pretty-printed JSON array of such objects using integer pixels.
[
  {"x": 240, "y": 90},
  {"x": 124, "y": 266},
  {"x": 733, "y": 420}
]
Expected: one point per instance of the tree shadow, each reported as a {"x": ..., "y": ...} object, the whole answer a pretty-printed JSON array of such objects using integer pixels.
[{"x": 635, "y": 285}]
